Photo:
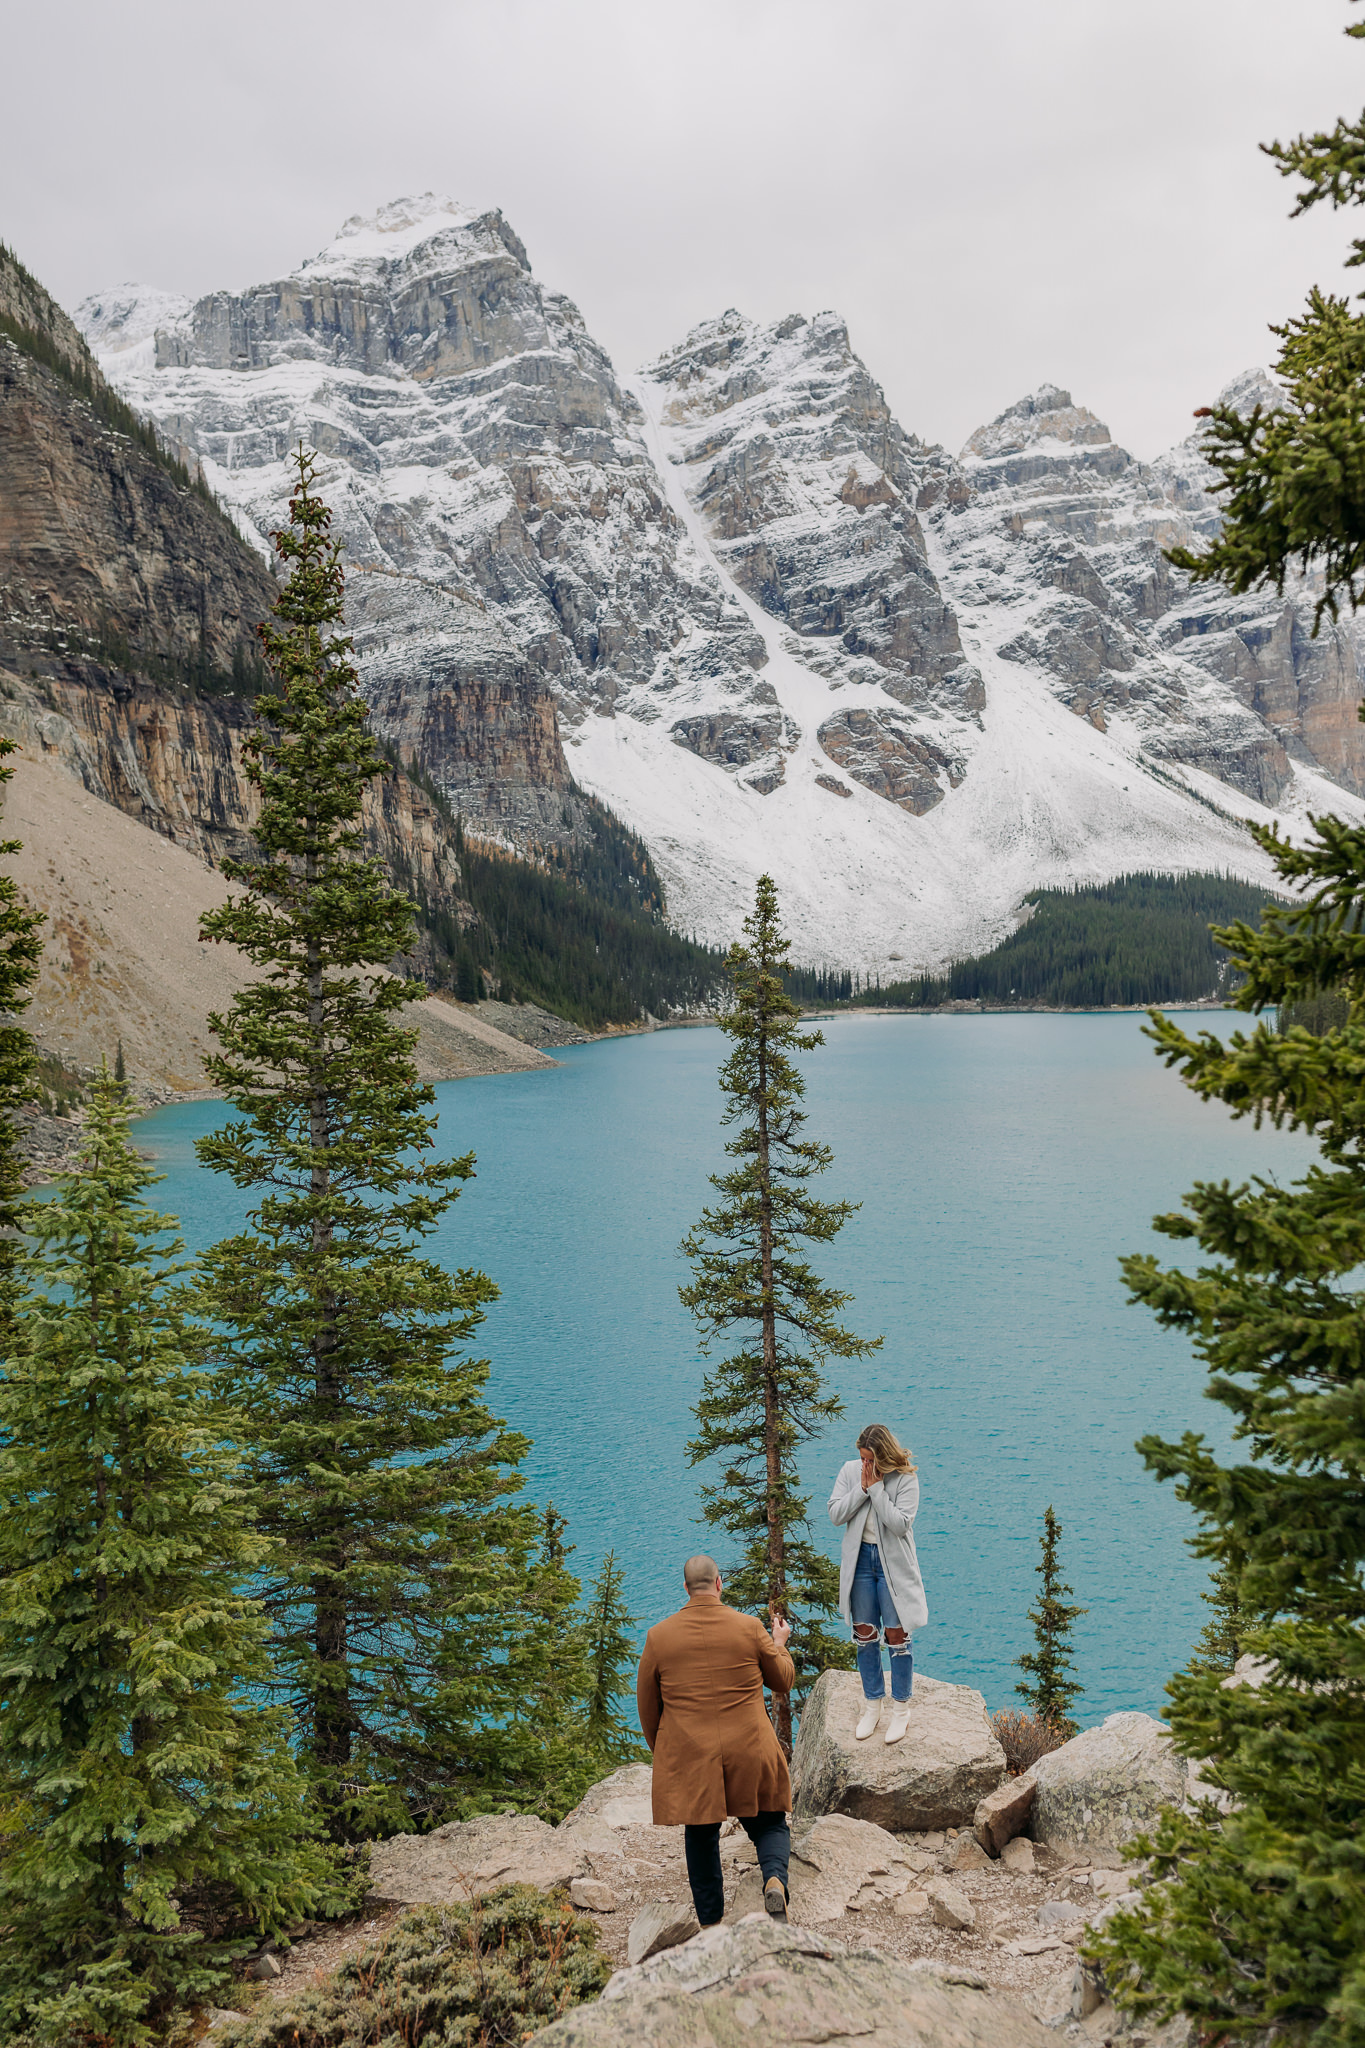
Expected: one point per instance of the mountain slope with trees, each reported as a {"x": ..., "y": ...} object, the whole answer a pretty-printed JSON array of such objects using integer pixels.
[{"x": 1141, "y": 940}]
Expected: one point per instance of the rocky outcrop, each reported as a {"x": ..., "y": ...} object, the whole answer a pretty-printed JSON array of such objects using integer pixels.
[
  {"x": 764, "y": 1982},
  {"x": 620, "y": 1801},
  {"x": 659, "y": 1928},
  {"x": 103, "y": 553},
  {"x": 465, "y": 1857},
  {"x": 1106, "y": 1785},
  {"x": 175, "y": 763},
  {"x": 935, "y": 1778},
  {"x": 881, "y": 750}
]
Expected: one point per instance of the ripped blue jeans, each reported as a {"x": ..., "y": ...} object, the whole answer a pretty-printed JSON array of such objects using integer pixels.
[{"x": 870, "y": 1605}]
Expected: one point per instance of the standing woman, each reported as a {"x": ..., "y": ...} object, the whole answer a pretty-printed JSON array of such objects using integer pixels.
[{"x": 881, "y": 1592}]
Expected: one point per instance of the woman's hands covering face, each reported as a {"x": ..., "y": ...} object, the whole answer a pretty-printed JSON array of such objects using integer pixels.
[{"x": 870, "y": 1472}]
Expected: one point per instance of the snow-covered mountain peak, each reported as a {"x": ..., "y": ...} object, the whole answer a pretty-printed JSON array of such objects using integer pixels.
[
  {"x": 1047, "y": 414},
  {"x": 394, "y": 229},
  {"x": 428, "y": 234},
  {"x": 1254, "y": 387},
  {"x": 1183, "y": 473},
  {"x": 788, "y": 368}
]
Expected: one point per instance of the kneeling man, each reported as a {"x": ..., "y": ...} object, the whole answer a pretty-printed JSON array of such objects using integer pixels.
[{"x": 700, "y": 1695}]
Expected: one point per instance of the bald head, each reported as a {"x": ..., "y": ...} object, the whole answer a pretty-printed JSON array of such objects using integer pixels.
[{"x": 701, "y": 1575}]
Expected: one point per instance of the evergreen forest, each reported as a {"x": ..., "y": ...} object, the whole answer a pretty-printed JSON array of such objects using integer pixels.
[
  {"x": 580, "y": 929},
  {"x": 1144, "y": 939}
]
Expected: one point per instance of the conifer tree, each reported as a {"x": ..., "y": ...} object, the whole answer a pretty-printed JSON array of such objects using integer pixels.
[
  {"x": 1050, "y": 1685},
  {"x": 21, "y": 950},
  {"x": 752, "y": 1283},
  {"x": 1259, "y": 1923},
  {"x": 1220, "y": 1641},
  {"x": 147, "y": 1796},
  {"x": 375, "y": 1464},
  {"x": 543, "y": 1733},
  {"x": 611, "y": 1657}
]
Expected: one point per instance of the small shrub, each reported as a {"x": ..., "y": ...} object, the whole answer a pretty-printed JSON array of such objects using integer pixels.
[
  {"x": 1025, "y": 1737},
  {"x": 481, "y": 1974}
]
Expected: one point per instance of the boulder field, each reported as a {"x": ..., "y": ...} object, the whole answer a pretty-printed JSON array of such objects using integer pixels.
[{"x": 953, "y": 1921}]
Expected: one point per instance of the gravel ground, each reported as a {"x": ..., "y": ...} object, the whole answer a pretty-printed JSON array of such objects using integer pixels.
[{"x": 648, "y": 1869}]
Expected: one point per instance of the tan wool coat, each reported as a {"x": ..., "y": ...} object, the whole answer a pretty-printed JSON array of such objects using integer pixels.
[{"x": 700, "y": 1695}]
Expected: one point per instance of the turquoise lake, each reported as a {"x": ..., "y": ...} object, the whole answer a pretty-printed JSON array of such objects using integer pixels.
[{"x": 1003, "y": 1164}]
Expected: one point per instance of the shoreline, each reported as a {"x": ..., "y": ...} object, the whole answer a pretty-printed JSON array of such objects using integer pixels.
[{"x": 157, "y": 1098}]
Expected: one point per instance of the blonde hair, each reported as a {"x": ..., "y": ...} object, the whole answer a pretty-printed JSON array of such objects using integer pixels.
[{"x": 890, "y": 1455}]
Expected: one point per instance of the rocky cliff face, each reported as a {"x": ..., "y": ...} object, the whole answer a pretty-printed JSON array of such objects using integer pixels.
[
  {"x": 505, "y": 531},
  {"x": 175, "y": 763},
  {"x": 807, "y": 488},
  {"x": 102, "y": 551},
  {"x": 124, "y": 596},
  {"x": 774, "y": 630},
  {"x": 1052, "y": 547}
]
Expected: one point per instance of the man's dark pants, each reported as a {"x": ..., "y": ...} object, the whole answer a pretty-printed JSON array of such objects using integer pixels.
[{"x": 770, "y": 1836}]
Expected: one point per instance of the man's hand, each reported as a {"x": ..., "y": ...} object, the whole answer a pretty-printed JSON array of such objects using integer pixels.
[
  {"x": 870, "y": 1472},
  {"x": 782, "y": 1630}
]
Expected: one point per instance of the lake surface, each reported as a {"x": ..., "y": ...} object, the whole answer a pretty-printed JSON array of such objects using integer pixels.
[{"x": 1003, "y": 1164}]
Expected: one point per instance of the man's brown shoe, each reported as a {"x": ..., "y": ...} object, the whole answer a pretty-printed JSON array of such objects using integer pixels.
[{"x": 775, "y": 1898}]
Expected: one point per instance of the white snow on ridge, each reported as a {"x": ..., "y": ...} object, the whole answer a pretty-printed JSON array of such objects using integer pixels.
[{"x": 388, "y": 235}]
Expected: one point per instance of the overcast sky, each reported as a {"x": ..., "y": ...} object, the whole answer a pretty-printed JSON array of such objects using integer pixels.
[{"x": 993, "y": 193}]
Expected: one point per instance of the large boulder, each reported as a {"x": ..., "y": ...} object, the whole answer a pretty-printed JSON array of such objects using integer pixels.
[
  {"x": 620, "y": 1801},
  {"x": 468, "y": 1856},
  {"x": 1106, "y": 1785},
  {"x": 935, "y": 1778},
  {"x": 836, "y": 1862},
  {"x": 762, "y": 1982},
  {"x": 1002, "y": 1813}
]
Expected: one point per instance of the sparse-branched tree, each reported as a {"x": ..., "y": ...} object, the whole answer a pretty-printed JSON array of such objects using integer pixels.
[
  {"x": 753, "y": 1284},
  {"x": 1258, "y": 1923},
  {"x": 149, "y": 1802},
  {"x": 399, "y": 1571},
  {"x": 1050, "y": 1685}
]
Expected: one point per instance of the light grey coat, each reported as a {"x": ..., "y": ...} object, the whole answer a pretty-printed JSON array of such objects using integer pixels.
[{"x": 896, "y": 1500}]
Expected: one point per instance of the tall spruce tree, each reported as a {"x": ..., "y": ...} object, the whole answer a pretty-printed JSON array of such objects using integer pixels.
[
  {"x": 148, "y": 1800},
  {"x": 1259, "y": 1922},
  {"x": 21, "y": 950},
  {"x": 752, "y": 1282},
  {"x": 1050, "y": 1685},
  {"x": 400, "y": 1568}
]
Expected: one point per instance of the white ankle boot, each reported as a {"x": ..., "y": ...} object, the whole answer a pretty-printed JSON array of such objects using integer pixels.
[
  {"x": 899, "y": 1722},
  {"x": 871, "y": 1714}
]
